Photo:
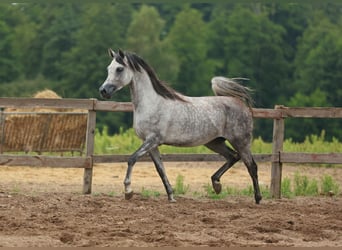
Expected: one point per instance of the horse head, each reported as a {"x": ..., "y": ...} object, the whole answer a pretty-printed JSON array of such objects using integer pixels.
[{"x": 119, "y": 74}]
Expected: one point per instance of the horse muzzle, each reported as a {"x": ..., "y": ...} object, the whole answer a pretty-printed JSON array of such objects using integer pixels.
[{"x": 106, "y": 90}]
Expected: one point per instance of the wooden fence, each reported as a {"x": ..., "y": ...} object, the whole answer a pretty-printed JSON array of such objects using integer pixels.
[{"x": 277, "y": 158}]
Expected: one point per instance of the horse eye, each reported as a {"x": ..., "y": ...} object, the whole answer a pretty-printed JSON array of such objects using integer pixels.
[{"x": 119, "y": 69}]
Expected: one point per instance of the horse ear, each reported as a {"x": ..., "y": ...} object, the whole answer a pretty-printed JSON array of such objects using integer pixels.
[
  {"x": 121, "y": 54},
  {"x": 111, "y": 53}
]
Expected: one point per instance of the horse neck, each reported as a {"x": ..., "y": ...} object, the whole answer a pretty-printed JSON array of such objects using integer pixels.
[{"x": 142, "y": 92}]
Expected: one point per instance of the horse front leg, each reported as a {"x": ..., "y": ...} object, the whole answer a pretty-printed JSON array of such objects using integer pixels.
[
  {"x": 155, "y": 155},
  {"x": 149, "y": 144}
]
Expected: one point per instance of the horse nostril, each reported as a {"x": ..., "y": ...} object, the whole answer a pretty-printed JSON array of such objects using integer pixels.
[
  {"x": 103, "y": 91},
  {"x": 107, "y": 90}
]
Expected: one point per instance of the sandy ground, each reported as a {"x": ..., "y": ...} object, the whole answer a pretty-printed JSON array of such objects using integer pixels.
[{"x": 45, "y": 207}]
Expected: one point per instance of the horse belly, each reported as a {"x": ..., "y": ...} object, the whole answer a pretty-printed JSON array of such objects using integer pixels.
[{"x": 186, "y": 133}]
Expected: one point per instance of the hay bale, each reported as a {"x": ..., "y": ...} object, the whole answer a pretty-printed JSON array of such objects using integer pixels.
[
  {"x": 40, "y": 94},
  {"x": 44, "y": 131},
  {"x": 51, "y": 94},
  {"x": 47, "y": 93}
]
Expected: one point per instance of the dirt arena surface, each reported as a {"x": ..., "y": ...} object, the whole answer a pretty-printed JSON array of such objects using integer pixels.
[{"x": 45, "y": 207}]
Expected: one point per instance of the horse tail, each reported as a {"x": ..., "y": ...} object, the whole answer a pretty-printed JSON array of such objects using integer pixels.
[{"x": 223, "y": 86}]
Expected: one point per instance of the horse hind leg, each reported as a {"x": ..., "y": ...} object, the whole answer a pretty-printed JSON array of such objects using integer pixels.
[
  {"x": 252, "y": 167},
  {"x": 219, "y": 146}
]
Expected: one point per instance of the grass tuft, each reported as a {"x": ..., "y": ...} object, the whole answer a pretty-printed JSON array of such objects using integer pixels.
[
  {"x": 147, "y": 193},
  {"x": 180, "y": 187},
  {"x": 329, "y": 186}
]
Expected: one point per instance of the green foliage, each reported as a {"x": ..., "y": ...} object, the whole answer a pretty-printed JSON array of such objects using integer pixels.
[
  {"x": 291, "y": 52},
  {"x": 188, "y": 37},
  {"x": 147, "y": 193},
  {"x": 27, "y": 87},
  {"x": 316, "y": 59},
  {"x": 254, "y": 48},
  {"x": 286, "y": 188},
  {"x": 329, "y": 186},
  {"x": 85, "y": 64},
  {"x": 180, "y": 188},
  {"x": 126, "y": 142},
  {"x": 317, "y": 74},
  {"x": 210, "y": 193},
  {"x": 303, "y": 186},
  {"x": 314, "y": 144},
  {"x": 259, "y": 146},
  {"x": 8, "y": 69},
  {"x": 144, "y": 38}
]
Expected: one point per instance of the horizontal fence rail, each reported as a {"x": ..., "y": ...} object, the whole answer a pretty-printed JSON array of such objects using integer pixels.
[
  {"x": 96, "y": 105},
  {"x": 43, "y": 161},
  {"x": 277, "y": 157},
  {"x": 176, "y": 157}
]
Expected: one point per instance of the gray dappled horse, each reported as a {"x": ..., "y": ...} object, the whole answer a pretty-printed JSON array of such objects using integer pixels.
[{"x": 164, "y": 116}]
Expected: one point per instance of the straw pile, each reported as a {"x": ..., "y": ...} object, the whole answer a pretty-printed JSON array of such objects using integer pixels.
[{"x": 43, "y": 129}]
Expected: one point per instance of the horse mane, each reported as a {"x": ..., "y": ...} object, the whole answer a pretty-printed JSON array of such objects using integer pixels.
[{"x": 136, "y": 63}]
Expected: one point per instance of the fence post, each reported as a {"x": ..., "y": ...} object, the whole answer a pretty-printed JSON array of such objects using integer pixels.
[
  {"x": 88, "y": 172},
  {"x": 277, "y": 147},
  {"x": 2, "y": 129}
]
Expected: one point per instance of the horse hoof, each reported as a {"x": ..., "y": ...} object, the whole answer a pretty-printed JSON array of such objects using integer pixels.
[
  {"x": 217, "y": 187},
  {"x": 171, "y": 199},
  {"x": 129, "y": 195},
  {"x": 258, "y": 199}
]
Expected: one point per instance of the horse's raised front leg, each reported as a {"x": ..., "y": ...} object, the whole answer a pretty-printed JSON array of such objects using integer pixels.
[
  {"x": 149, "y": 144},
  {"x": 155, "y": 155}
]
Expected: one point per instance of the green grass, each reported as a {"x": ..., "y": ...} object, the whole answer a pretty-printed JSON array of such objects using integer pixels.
[
  {"x": 286, "y": 188},
  {"x": 180, "y": 188},
  {"x": 147, "y": 193},
  {"x": 126, "y": 142},
  {"x": 301, "y": 185},
  {"x": 329, "y": 185},
  {"x": 304, "y": 186}
]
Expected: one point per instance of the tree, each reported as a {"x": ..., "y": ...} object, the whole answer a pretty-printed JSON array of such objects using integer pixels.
[
  {"x": 189, "y": 39},
  {"x": 293, "y": 17},
  {"x": 254, "y": 49},
  {"x": 247, "y": 44},
  {"x": 319, "y": 60},
  {"x": 84, "y": 65},
  {"x": 144, "y": 38},
  {"x": 317, "y": 77},
  {"x": 9, "y": 69},
  {"x": 61, "y": 23}
]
